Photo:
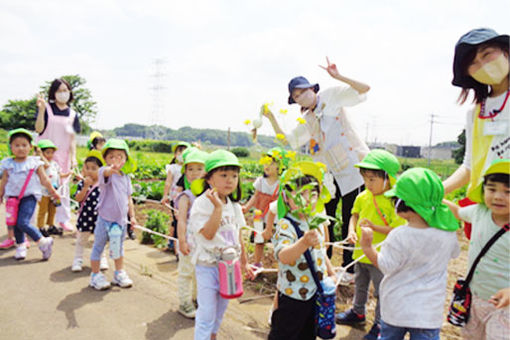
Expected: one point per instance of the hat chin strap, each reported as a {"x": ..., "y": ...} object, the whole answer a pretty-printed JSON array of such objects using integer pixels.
[{"x": 397, "y": 204}]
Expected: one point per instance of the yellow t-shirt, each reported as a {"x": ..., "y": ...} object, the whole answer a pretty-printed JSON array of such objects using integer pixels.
[{"x": 365, "y": 208}]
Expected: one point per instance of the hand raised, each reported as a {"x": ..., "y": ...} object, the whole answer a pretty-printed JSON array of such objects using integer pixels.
[
  {"x": 331, "y": 69},
  {"x": 212, "y": 195},
  {"x": 367, "y": 235},
  {"x": 41, "y": 103},
  {"x": 311, "y": 238}
]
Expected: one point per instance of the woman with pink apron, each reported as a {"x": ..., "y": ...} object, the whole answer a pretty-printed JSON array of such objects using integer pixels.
[{"x": 60, "y": 129}]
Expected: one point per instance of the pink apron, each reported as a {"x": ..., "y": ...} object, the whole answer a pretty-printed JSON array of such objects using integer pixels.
[{"x": 59, "y": 129}]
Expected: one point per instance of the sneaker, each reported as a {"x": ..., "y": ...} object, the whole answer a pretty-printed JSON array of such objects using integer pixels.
[
  {"x": 77, "y": 265},
  {"x": 103, "y": 263},
  {"x": 8, "y": 243},
  {"x": 373, "y": 334},
  {"x": 187, "y": 310},
  {"x": 66, "y": 226},
  {"x": 44, "y": 232},
  {"x": 345, "y": 278},
  {"x": 27, "y": 243},
  {"x": 122, "y": 279},
  {"x": 45, "y": 246},
  {"x": 52, "y": 230},
  {"x": 98, "y": 281},
  {"x": 270, "y": 316},
  {"x": 350, "y": 317},
  {"x": 21, "y": 252}
]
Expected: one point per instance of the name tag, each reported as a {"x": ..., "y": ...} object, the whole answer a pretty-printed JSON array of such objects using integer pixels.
[{"x": 495, "y": 128}]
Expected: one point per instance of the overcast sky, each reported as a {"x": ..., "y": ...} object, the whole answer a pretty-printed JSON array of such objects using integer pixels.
[{"x": 223, "y": 59}]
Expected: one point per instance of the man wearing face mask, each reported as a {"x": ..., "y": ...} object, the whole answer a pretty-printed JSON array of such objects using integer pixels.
[
  {"x": 332, "y": 140},
  {"x": 481, "y": 66},
  {"x": 57, "y": 122}
]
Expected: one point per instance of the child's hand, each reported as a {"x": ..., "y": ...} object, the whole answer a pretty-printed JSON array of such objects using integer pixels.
[
  {"x": 352, "y": 237},
  {"x": 165, "y": 200},
  {"x": 248, "y": 272},
  {"x": 88, "y": 181},
  {"x": 367, "y": 236},
  {"x": 501, "y": 298},
  {"x": 367, "y": 223},
  {"x": 331, "y": 69},
  {"x": 264, "y": 110},
  {"x": 212, "y": 195},
  {"x": 55, "y": 195},
  {"x": 184, "y": 247},
  {"x": 267, "y": 233},
  {"x": 311, "y": 238},
  {"x": 116, "y": 166},
  {"x": 133, "y": 222},
  {"x": 38, "y": 151},
  {"x": 41, "y": 103},
  {"x": 243, "y": 208}
]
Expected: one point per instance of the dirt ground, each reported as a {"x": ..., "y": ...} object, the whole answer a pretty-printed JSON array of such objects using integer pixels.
[{"x": 45, "y": 300}]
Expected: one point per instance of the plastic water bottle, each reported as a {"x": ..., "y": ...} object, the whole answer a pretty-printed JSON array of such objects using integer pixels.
[
  {"x": 115, "y": 235},
  {"x": 231, "y": 279}
]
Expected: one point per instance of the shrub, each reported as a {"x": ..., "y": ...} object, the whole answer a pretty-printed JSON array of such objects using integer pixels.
[
  {"x": 157, "y": 221},
  {"x": 241, "y": 152}
]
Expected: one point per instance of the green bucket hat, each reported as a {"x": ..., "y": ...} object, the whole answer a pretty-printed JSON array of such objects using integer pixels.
[
  {"x": 22, "y": 131},
  {"x": 194, "y": 155},
  {"x": 422, "y": 190},
  {"x": 498, "y": 166},
  {"x": 221, "y": 158},
  {"x": 186, "y": 144},
  {"x": 120, "y": 144},
  {"x": 46, "y": 144},
  {"x": 380, "y": 160}
]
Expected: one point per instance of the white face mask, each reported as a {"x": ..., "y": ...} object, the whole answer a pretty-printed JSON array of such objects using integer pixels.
[
  {"x": 179, "y": 158},
  {"x": 493, "y": 72},
  {"x": 306, "y": 99},
  {"x": 62, "y": 97}
]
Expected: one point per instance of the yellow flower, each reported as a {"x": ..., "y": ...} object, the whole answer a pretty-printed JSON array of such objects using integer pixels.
[
  {"x": 265, "y": 160},
  {"x": 275, "y": 154},
  {"x": 291, "y": 155},
  {"x": 280, "y": 136},
  {"x": 283, "y": 111},
  {"x": 266, "y": 107},
  {"x": 301, "y": 120},
  {"x": 247, "y": 122}
]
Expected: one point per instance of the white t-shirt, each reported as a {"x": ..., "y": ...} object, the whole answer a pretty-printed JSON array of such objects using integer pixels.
[
  {"x": 261, "y": 184},
  {"x": 175, "y": 170},
  {"x": 232, "y": 220},
  {"x": 493, "y": 271},
  {"x": 53, "y": 173},
  {"x": 332, "y": 138},
  {"x": 414, "y": 262}
]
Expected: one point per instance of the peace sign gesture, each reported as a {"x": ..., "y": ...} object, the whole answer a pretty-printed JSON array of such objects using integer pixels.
[
  {"x": 331, "y": 69},
  {"x": 41, "y": 103}
]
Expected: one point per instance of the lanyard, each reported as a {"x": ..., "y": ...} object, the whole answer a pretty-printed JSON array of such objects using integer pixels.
[
  {"x": 492, "y": 113},
  {"x": 379, "y": 212}
]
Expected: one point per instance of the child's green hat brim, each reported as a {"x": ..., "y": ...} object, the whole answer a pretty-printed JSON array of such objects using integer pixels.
[
  {"x": 219, "y": 158},
  {"x": 422, "y": 190},
  {"x": 96, "y": 154},
  {"x": 46, "y": 144},
  {"x": 186, "y": 144},
  {"x": 193, "y": 156},
  {"x": 119, "y": 144},
  {"x": 380, "y": 160},
  {"x": 498, "y": 166}
]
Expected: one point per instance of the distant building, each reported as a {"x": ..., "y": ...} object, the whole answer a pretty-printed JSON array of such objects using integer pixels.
[{"x": 408, "y": 151}]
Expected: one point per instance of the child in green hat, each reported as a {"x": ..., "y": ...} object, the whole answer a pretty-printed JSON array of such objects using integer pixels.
[
  {"x": 490, "y": 284},
  {"x": 371, "y": 209},
  {"x": 22, "y": 177},
  {"x": 45, "y": 150},
  {"x": 193, "y": 169},
  {"x": 414, "y": 257},
  {"x": 114, "y": 205},
  {"x": 216, "y": 220}
]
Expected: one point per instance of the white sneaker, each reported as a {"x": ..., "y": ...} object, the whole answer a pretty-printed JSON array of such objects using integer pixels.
[
  {"x": 21, "y": 252},
  {"x": 122, "y": 279},
  {"x": 187, "y": 310},
  {"x": 98, "y": 281},
  {"x": 103, "y": 263},
  {"x": 45, "y": 246},
  {"x": 270, "y": 315},
  {"x": 77, "y": 265},
  {"x": 345, "y": 278}
]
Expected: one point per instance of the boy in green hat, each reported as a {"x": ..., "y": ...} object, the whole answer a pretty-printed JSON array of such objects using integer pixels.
[
  {"x": 45, "y": 150},
  {"x": 373, "y": 210},
  {"x": 490, "y": 284},
  {"x": 414, "y": 257},
  {"x": 113, "y": 207}
]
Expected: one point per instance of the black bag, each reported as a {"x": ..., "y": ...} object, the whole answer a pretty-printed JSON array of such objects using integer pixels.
[{"x": 458, "y": 313}]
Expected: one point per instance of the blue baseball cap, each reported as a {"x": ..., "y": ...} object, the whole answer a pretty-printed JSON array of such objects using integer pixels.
[
  {"x": 469, "y": 41},
  {"x": 300, "y": 83}
]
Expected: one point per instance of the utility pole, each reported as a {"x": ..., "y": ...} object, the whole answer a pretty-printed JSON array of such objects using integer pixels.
[
  {"x": 158, "y": 108},
  {"x": 228, "y": 138},
  {"x": 430, "y": 137}
]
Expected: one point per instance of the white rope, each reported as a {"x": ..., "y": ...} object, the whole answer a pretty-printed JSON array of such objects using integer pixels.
[
  {"x": 344, "y": 269},
  {"x": 138, "y": 198},
  {"x": 155, "y": 233}
]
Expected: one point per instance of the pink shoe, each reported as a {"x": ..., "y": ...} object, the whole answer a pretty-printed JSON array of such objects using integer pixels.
[
  {"x": 8, "y": 243},
  {"x": 66, "y": 226}
]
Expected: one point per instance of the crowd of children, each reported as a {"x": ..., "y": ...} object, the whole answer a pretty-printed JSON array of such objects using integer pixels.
[{"x": 401, "y": 230}]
